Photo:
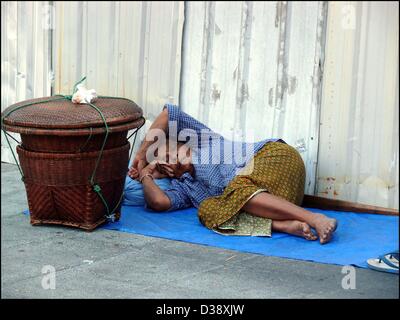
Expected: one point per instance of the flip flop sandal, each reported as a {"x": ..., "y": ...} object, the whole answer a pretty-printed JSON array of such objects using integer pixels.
[
  {"x": 386, "y": 263},
  {"x": 391, "y": 259}
]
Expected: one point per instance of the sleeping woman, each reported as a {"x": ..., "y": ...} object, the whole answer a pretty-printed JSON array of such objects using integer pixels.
[{"x": 239, "y": 188}]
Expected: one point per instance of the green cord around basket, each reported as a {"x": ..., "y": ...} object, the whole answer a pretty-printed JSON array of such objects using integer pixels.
[
  {"x": 95, "y": 186},
  {"x": 104, "y": 142},
  {"x": 31, "y": 104},
  {"x": 5, "y": 133}
]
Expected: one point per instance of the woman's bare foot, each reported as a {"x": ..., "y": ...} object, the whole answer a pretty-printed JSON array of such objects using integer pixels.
[
  {"x": 324, "y": 226},
  {"x": 297, "y": 228}
]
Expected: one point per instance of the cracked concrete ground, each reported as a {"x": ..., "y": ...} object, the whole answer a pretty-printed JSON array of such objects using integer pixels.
[{"x": 111, "y": 264}]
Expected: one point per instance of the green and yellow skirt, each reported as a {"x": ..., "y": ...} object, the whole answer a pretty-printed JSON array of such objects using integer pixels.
[{"x": 277, "y": 169}]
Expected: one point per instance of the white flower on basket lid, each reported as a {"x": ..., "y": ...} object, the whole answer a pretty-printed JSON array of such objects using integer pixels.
[{"x": 83, "y": 95}]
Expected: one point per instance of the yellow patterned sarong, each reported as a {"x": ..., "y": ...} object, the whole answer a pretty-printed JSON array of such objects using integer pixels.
[{"x": 278, "y": 169}]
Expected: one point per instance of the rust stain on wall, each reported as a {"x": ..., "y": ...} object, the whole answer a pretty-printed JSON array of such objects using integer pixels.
[
  {"x": 216, "y": 94},
  {"x": 292, "y": 85}
]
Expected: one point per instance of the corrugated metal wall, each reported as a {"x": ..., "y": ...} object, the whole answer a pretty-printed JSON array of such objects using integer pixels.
[
  {"x": 25, "y": 63},
  {"x": 359, "y": 133},
  {"x": 249, "y": 69},
  {"x": 129, "y": 49},
  {"x": 252, "y": 69}
]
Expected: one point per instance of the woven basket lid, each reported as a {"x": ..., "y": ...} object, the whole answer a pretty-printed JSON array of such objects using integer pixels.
[{"x": 63, "y": 114}]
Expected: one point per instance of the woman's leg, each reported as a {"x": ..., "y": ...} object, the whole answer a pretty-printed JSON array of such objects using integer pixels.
[{"x": 276, "y": 208}]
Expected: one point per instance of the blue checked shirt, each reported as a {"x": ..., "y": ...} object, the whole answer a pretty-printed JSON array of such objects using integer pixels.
[{"x": 216, "y": 160}]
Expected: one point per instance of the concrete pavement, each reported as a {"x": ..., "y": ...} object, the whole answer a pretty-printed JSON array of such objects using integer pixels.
[{"x": 111, "y": 264}]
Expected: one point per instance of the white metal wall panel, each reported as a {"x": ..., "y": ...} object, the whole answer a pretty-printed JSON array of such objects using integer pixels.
[
  {"x": 25, "y": 56},
  {"x": 298, "y": 121},
  {"x": 359, "y": 147},
  {"x": 128, "y": 49},
  {"x": 252, "y": 70}
]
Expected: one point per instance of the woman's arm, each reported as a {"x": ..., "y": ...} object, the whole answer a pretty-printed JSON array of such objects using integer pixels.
[
  {"x": 161, "y": 122},
  {"x": 155, "y": 198},
  {"x": 173, "y": 198}
]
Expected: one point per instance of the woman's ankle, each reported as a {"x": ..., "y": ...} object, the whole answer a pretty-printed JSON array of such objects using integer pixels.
[{"x": 314, "y": 218}]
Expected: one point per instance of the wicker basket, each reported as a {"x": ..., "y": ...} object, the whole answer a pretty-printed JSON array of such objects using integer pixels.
[
  {"x": 61, "y": 144},
  {"x": 58, "y": 187},
  {"x": 76, "y": 140}
]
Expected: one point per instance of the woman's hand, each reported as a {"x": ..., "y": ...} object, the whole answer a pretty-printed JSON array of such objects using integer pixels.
[
  {"x": 139, "y": 162},
  {"x": 152, "y": 169},
  {"x": 148, "y": 170},
  {"x": 160, "y": 123},
  {"x": 133, "y": 173},
  {"x": 173, "y": 170}
]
